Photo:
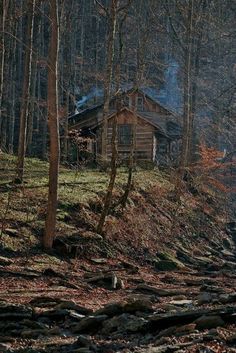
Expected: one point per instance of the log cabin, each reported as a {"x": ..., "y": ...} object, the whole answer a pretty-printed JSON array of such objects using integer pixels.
[{"x": 144, "y": 126}]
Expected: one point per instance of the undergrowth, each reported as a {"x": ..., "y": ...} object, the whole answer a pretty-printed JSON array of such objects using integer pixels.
[{"x": 151, "y": 220}]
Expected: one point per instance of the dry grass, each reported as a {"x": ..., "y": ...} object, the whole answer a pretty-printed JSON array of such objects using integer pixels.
[{"x": 25, "y": 206}]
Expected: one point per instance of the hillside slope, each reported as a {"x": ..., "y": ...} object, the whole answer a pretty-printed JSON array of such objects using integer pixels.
[{"x": 167, "y": 262}]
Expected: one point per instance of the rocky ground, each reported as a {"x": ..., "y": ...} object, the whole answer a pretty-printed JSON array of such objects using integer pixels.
[
  {"x": 52, "y": 304},
  {"x": 161, "y": 279}
]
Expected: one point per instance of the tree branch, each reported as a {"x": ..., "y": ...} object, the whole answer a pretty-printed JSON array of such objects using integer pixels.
[{"x": 102, "y": 7}]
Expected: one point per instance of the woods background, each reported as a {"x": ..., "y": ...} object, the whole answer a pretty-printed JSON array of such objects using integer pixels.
[{"x": 169, "y": 47}]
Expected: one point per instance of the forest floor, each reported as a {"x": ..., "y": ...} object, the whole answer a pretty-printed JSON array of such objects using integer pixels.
[{"x": 161, "y": 279}]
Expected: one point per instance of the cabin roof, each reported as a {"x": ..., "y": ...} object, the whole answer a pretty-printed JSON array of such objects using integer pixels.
[
  {"x": 129, "y": 91},
  {"x": 141, "y": 116},
  {"x": 167, "y": 128}
]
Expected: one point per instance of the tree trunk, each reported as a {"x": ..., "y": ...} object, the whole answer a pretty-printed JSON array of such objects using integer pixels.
[
  {"x": 109, "y": 71},
  {"x": 187, "y": 124},
  {"x": 111, "y": 40},
  {"x": 4, "y": 9},
  {"x": 113, "y": 173},
  {"x": 50, "y": 226},
  {"x": 26, "y": 91},
  {"x": 31, "y": 109},
  {"x": 13, "y": 97},
  {"x": 124, "y": 197}
]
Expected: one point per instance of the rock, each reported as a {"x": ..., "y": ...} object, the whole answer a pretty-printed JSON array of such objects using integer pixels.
[
  {"x": 4, "y": 261},
  {"x": 167, "y": 262},
  {"x": 7, "y": 339},
  {"x": 223, "y": 298},
  {"x": 183, "y": 302},
  {"x": 90, "y": 324},
  {"x": 139, "y": 324},
  {"x": 166, "y": 332},
  {"x": 166, "y": 348},
  {"x": 99, "y": 261},
  {"x": 227, "y": 243},
  {"x": 81, "y": 350},
  {"x": 70, "y": 305},
  {"x": 14, "y": 311},
  {"x": 180, "y": 297},
  {"x": 166, "y": 265},
  {"x": 211, "y": 289},
  {"x": 169, "y": 307},
  {"x": 231, "y": 339},
  {"x": 54, "y": 314},
  {"x": 208, "y": 322},
  {"x": 204, "y": 298},
  {"x": 229, "y": 265},
  {"x": 55, "y": 331},
  {"x": 161, "y": 341},
  {"x": 12, "y": 232},
  {"x": 227, "y": 298},
  {"x": 232, "y": 297},
  {"x": 171, "y": 278},
  {"x": 60, "y": 314},
  {"x": 186, "y": 328},
  {"x": 45, "y": 302},
  {"x": 111, "y": 309},
  {"x": 213, "y": 332},
  {"x": 134, "y": 305},
  {"x": 161, "y": 292},
  {"x": 34, "y": 324},
  {"x": 130, "y": 267},
  {"x": 83, "y": 341},
  {"x": 212, "y": 269},
  {"x": 32, "y": 334},
  {"x": 227, "y": 253},
  {"x": 4, "y": 347},
  {"x": 185, "y": 256},
  {"x": 107, "y": 280},
  {"x": 115, "y": 282},
  {"x": 75, "y": 316},
  {"x": 52, "y": 273},
  {"x": 9, "y": 326},
  {"x": 124, "y": 323},
  {"x": 158, "y": 321}
]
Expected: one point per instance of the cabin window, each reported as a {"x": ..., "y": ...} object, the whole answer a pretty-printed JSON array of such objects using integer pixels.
[
  {"x": 139, "y": 103},
  {"x": 125, "y": 134},
  {"x": 128, "y": 101}
]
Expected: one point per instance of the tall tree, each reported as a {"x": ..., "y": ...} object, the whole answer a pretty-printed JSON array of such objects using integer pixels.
[
  {"x": 53, "y": 124},
  {"x": 115, "y": 10},
  {"x": 26, "y": 91},
  {"x": 4, "y": 8},
  {"x": 187, "y": 122},
  {"x": 111, "y": 14}
]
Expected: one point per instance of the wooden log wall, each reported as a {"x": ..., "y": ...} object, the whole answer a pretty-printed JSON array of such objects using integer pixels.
[{"x": 143, "y": 135}]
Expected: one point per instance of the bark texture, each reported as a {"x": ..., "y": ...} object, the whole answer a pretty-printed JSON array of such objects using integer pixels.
[
  {"x": 26, "y": 92},
  {"x": 50, "y": 227}
]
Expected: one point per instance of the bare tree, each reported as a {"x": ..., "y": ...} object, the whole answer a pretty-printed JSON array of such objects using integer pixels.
[
  {"x": 4, "y": 9},
  {"x": 50, "y": 226},
  {"x": 115, "y": 10},
  {"x": 111, "y": 16},
  {"x": 187, "y": 25},
  {"x": 26, "y": 91}
]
